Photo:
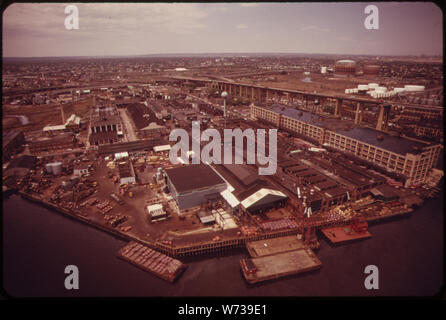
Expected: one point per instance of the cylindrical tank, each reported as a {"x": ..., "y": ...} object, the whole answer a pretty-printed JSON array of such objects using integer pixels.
[
  {"x": 57, "y": 167},
  {"x": 49, "y": 167},
  {"x": 412, "y": 88},
  {"x": 371, "y": 69},
  {"x": 345, "y": 67}
]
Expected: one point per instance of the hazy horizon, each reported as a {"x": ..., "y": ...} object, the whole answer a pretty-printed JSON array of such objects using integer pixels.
[{"x": 142, "y": 29}]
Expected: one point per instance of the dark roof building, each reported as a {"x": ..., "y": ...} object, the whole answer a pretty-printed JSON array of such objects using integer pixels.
[{"x": 194, "y": 184}]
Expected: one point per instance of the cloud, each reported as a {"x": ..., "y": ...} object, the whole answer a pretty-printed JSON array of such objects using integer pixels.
[
  {"x": 106, "y": 18},
  {"x": 241, "y": 26}
]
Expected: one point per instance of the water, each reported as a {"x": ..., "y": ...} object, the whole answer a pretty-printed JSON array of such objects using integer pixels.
[{"x": 39, "y": 243}]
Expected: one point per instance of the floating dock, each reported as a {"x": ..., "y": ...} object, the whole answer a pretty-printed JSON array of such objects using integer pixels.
[
  {"x": 276, "y": 258},
  {"x": 337, "y": 235},
  {"x": 147, "y": 259},
  {"x": 279, "y": 265},
  {"x": 273, "y": 246}
]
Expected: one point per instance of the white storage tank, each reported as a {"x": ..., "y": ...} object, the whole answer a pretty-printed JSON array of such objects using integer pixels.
[
  {"x": 54, "y": 167},
  {"x": 57, "y": 167},
  {"x": 413, "y": 88},
  {"x": 49, "y": 167}
]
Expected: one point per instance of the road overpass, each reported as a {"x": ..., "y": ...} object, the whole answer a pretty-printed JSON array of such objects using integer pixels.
[{"x": 257, "y": 93}]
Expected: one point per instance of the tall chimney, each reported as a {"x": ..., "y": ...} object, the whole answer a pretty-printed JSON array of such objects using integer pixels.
[{"x": 62, "y": 113}]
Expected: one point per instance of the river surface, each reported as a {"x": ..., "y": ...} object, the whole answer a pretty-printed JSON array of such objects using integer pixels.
[{"x": 38, "y": 243}]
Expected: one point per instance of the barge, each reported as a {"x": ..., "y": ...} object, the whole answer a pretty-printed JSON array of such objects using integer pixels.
[
  {"x": 153, "y": 261},
  {"x": 279, "y": 265}
]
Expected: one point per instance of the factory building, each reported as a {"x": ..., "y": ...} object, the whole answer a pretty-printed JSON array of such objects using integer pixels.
[
  {"x": 103, "y": 138},
  {"x": 105, "y": 119},
  {"x": 194, "y": 184},
  {"x": 126, "y": 172},
  {"x": 152, "y": 131},
  {"x": 247, "y": 189},
  {"x": 12, "y": 143},
  {"x": 60, "y": 142},
  {"x": 409, "y": 158}
]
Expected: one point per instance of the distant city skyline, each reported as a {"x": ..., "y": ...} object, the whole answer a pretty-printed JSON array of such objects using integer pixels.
[{"x": 110, "y": 29}]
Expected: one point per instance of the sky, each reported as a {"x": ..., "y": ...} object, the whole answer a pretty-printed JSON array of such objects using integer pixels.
[{"x": 38, "y": 30}]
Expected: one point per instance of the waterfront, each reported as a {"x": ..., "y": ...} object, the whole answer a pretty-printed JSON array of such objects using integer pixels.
[{"x": 39, "y": 243}]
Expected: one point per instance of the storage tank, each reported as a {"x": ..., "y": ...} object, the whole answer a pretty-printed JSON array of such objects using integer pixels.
[
  {"x": 57, "y": 167},
  {"x": 371, "y": 69},
  {"x": 412, "y": 88},
  {"x": 49, "y": 167},
  {"x": 345, "y": 67}
]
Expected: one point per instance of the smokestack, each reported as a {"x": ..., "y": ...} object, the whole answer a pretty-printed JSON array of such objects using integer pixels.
[{"x": 62, "y": 113}]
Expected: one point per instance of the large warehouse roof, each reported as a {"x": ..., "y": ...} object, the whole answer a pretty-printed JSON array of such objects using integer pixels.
[
  {"x": 261, "y": 194},
  {"x": 389, "y": 142},
  {"x": 195, "y": 176}
]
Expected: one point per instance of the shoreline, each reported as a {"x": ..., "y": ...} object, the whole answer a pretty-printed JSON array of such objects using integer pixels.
[{"x": 198, "y": 249}]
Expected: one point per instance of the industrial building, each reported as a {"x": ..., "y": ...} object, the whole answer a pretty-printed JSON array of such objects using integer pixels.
[
  {"x": 60, "y": 142},
  {"x": 126, "y": 172},
  {"x": 194, "y": 184},
  {"x": 409, "y": 158},
  {"x": 105, "y": 119},
  {"x": 152, "y": 131},
  {"x": 247, "y": 189}
]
